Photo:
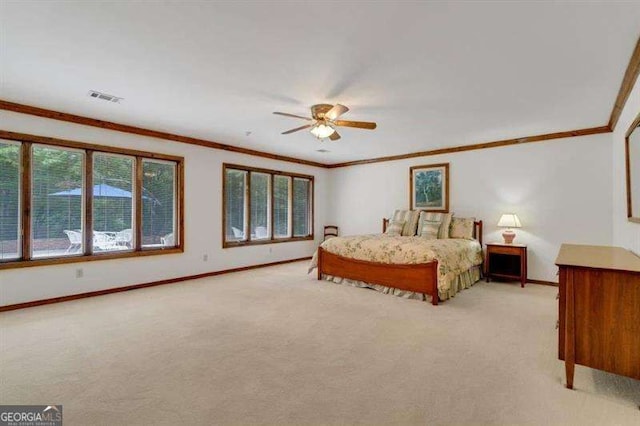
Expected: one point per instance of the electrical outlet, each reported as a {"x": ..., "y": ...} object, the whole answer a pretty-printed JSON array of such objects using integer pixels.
[
  {"x": 79, "y": 273},
  {"x": 205, "y": 257}
]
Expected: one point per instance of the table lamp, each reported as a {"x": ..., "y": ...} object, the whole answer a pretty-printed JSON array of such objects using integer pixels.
[{"x": 509, "y": 220}]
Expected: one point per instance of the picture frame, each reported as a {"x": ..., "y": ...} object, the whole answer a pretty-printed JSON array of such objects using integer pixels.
[{"x": 429, "y": 187}]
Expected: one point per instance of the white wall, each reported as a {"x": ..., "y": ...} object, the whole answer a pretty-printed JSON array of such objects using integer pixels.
[
  {"x": 203, "y": 197},
  {"x": 625, "y": 234},
  {"x": 560, "y": 189}
]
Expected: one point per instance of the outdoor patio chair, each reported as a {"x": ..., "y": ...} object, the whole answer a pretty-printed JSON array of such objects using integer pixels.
[
  {"x": 75, "y": 241},
  {"x": 261, "y": 232},
  {"x": 104, "y": 241},
  {"x": 237, "y": 233},
  {"x": 168, "y": 240},
  {"x": 124, "y": 238}
]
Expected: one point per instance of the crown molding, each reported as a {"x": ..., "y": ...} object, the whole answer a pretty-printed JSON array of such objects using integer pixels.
[
  {"x": 87, "y": 121},
  {"x": 484, "y": 145},
  {"x": 72, "y": 118},
  {"x": 628, "y": 81}
]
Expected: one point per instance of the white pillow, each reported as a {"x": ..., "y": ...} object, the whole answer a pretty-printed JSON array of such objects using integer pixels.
[
  {"x": 430, "y": 229},
  {"x": 462, "y": 227},
  {"x": 394, "y": 228},
  {"x": 410, "y": 218},
  {"x": 443, "y": 218}
]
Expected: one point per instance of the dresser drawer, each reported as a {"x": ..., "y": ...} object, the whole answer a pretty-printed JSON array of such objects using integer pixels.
[{"x": 505, "y": 250}]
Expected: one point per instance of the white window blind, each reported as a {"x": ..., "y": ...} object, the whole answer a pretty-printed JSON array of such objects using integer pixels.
[
  {"x": 260, "y": 206},
  {"x": 10, "y": 239},
  {"x": 301, "y": 207},
  {"x": 281, "y": 206},
  {"x": 113, "y": 202},
  {"x": 265, "y": 205},
  {"x": 235, "y": 204},
  {"x": 57, "y": 202},
  {"x": 159, "y": 204}
]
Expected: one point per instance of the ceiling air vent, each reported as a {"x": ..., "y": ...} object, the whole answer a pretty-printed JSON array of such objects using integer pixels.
[
  {"x": 322, "y": 151},
  {"x": 104, "y": 97}
]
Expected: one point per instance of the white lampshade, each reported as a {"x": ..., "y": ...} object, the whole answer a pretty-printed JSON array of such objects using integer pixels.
[
  {"x": 322, "y": 131},
  {"x": 509, "y": 220}
]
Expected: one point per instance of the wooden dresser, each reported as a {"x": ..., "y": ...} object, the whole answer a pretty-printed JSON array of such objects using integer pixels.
[{"x": 599, "y": 309}]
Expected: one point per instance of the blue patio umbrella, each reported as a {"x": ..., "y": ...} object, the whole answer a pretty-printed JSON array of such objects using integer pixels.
[
  {"x": 101, "y": 190},
  {"x": 107, "y": 191}
]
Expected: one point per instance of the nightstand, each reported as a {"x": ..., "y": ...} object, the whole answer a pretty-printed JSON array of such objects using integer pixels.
[{"x": 506, "y": 261}]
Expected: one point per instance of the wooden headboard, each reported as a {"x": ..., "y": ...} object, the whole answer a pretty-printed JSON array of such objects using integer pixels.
[{"x": 477, "y": 229}]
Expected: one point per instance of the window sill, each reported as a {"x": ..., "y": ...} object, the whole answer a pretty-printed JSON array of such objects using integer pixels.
[
  {"x": 230, "y": 244},
  {"x": 12, "y": 264}
]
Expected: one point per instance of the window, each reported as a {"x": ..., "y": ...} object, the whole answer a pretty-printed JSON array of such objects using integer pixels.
[
  {"x": 83, "y": 200},
  {"x": 113, "y": 202},
  {"x": 10, "y": 241},
  {"x": 301, "y": 207},
  {"x": 158, "y": 203},
  {"x": 235, "y": 204},
  {"x": 281, "y": 208},
  {"x": 262, "y": 206},
  {"x": 57, "y": 199}
]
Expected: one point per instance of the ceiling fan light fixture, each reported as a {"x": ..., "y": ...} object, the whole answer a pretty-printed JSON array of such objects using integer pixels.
[
  {"x": 324, "y": 122},
  {"x": 322, "y": 131}
]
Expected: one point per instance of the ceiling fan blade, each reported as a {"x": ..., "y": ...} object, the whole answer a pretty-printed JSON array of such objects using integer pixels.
[
  {"x": 335, "y": 112},
  {"x": 334, "y": 136},
  {"x": 306, "y": 126},
  {"x": 357, "y": 124},
  {"x": 293, "y": 115}
]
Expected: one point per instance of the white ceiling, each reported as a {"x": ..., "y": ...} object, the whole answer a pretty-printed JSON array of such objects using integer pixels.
[{"x": 430, "y": 74}]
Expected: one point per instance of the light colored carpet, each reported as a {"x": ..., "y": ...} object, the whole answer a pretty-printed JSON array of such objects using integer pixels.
[{"x": 274, "y": 346}]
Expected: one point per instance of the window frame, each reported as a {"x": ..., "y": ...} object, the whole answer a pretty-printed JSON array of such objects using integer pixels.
[
  {"x": 272, "y": 239},
  {"x": 26, "y": 142}
]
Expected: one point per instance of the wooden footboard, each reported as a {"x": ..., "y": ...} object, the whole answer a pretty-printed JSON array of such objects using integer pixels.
[{"x": 420, "y": 278}]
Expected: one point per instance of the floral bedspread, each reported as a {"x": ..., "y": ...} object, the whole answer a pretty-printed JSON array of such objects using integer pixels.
[{"x": 454, "y": 255}]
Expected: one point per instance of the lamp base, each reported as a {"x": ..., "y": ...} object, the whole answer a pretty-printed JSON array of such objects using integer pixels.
[{"x": 508, "y": 236}]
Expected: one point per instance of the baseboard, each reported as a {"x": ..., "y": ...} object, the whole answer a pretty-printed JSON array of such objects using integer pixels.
[
  {"x": 542, "y": 282},
  {"x": 143, "y": 285}
]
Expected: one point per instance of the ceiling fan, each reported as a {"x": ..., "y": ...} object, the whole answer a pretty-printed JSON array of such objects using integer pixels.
[{"x": 325, "y": 119}]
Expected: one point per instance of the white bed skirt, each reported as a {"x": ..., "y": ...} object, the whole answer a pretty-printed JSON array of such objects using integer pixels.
[{"x": 460, "y": 282}]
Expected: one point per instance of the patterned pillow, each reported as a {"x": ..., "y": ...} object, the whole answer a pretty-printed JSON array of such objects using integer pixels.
[
  {"x": 462, "y": 227},
  {"x": 410, "y": 218},
  {"x": 394, "y": 228},
  {"x": 430, "y": 230},
  {"x": 444, "y": 218}
]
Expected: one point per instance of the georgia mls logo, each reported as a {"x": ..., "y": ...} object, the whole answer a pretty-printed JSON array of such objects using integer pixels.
[{"x": 30, "y": 415}]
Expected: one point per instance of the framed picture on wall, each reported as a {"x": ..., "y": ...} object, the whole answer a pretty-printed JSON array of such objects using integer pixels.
[{"x": 430, "y": 187}]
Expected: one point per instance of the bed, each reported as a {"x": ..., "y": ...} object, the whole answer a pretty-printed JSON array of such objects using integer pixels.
[{"x": 403, "y": 265}]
